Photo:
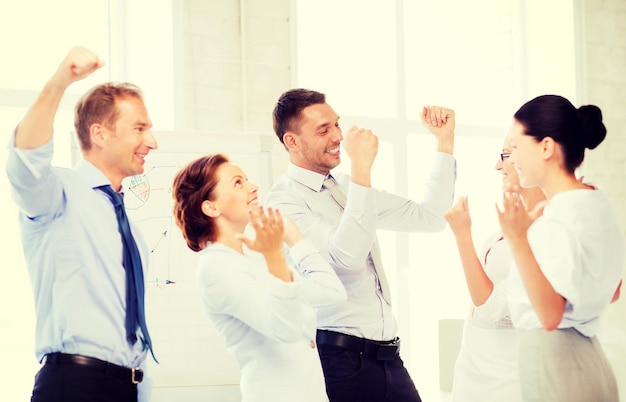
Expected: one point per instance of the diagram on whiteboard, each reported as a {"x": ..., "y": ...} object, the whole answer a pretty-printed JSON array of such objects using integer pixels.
[{"x": 148, "y": 201}]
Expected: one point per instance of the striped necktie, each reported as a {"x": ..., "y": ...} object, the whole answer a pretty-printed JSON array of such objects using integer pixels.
[{"x": 331, "y": 185}]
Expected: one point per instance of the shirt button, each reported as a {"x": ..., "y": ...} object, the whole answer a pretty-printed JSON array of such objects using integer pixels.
[{"x": 312, "y": 343}]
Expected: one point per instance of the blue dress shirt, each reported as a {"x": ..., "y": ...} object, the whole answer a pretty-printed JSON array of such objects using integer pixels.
[{"x": 73, "y": 253}]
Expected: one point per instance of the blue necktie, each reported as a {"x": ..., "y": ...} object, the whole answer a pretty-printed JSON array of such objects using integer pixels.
[{"x": 135, "y": 311}]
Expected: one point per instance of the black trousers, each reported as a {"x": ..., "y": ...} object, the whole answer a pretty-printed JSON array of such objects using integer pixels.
[
  {"x": 355, "y": 377},
  {"x": 56, "y": 382}
]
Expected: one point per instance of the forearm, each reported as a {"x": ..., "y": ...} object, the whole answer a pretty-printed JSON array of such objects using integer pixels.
[
  {"x": 35, "y": 129},
  {"x": 345, "y": 239},
  {"x": 361, "y": 175},
  {"x": 445, "y": 144},
  {"x": 349, "y": 239},
  {"x": 478, "y": 283},
  {"x": 547, "y": 303},
  {"x": 439, "y": 188},
  {"x": 321, "y": 286},
  {"x": 426, "y": 215},
  {"x": 277, "y": 265}
]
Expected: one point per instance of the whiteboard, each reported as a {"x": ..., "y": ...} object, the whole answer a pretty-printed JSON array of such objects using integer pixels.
[{"x": 189, "y": 351}]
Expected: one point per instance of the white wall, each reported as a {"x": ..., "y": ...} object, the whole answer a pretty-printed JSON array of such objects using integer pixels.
[{"x": 603, "y": 58}]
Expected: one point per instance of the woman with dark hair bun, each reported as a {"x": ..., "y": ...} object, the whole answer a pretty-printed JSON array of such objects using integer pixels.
[
  {"x": 487, "y": 359},
  {"x": 569, "y": 255},
  {"x": 259, "y": 296}
]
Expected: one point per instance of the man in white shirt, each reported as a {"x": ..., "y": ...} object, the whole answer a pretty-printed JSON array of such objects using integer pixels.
[{"x": 357, "y": 339}]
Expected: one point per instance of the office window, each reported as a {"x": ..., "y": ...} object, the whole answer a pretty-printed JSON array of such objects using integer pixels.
[
  {"x": 461, "y": 54},
  {"x": 348, "y": 50},
  {"x": 36, "y": 36},
  {"x": 483, "y": 59}
]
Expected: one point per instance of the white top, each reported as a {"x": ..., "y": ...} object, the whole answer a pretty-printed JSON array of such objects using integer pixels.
[
  {"x": 580, "y": 249},
  {"x": 345, "y": 237},
  {"x": 486, "y": 367},
  {"x": 268, "y": 325},
  {"x": 496, "y": 261}
]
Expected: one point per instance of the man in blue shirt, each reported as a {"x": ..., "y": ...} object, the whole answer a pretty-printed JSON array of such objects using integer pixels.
[
  {"x": 72, "y": 242},
  {"x": 357, "y": 339}
]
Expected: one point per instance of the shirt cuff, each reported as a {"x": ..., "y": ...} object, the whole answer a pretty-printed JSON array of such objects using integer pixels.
[{"x": 360, "y": 198}]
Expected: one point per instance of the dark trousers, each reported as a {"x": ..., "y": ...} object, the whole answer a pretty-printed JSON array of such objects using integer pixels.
[
  {"x": 74, "y": 383},
  {"x": 354, "y": 377}
]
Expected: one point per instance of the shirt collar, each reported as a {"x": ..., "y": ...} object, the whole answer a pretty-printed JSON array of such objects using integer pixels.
[
  {"x": 92, "y": 175},
  {"x": 309, "y": 178}
]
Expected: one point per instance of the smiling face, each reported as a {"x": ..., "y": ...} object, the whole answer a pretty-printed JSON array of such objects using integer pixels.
[
  {"x": 234, "y": 195},
  {"x": 126, "y": 144},
  {"x": 510, "y": 177},
  {"x": 526, "y": 157},
  {"x": 316, "y": 143}
]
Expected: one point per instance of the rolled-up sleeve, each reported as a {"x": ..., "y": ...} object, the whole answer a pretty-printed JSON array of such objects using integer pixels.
[{"x": 34, "y": 188}]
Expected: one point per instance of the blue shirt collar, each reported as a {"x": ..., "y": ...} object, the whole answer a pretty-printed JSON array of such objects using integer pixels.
[{"x": 92, "y": 175}]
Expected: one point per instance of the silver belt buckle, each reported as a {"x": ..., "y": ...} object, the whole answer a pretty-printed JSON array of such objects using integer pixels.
[{"x": 136, "y": 375}]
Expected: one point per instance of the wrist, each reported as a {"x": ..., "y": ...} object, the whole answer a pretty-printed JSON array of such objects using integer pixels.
[
  {"x": 361, "y": 177},
  {"x": 517, "y": 240},
  {"x": 293, "y": 240},
  {"x": 275, "y": 256},
  {"x": 445, "y": 144}
]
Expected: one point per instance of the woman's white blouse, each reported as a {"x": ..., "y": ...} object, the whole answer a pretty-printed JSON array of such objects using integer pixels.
[
  {"x": 579, "y": 247},
  {"x": 496, "y": 260},
  {"x": 268, "y": 325}
]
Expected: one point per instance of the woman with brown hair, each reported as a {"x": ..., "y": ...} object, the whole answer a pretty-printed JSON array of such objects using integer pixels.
[{"x": 260, "y": 298}]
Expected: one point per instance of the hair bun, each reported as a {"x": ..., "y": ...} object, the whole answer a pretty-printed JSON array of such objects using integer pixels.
[{"x": 592, "y": 130}]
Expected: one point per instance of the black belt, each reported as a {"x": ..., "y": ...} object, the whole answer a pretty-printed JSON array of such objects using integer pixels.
[
  {"x": 380, "y": 350},
  {"x": 134, "y": 375}
]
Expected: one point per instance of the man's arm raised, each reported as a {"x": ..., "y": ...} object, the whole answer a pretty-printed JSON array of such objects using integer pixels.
[{"x": 35, "y": 129}]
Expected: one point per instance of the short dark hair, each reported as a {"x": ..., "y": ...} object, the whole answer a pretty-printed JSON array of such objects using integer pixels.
[
  {"x": 194, "y": 184},
  {"x": 288, "y": 107},
  {"x": 98, "y": 105},
  {"x": 574, "y": 129}
]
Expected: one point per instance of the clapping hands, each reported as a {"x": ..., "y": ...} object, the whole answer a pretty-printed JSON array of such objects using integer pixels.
[{"x": 269, "y": 229}]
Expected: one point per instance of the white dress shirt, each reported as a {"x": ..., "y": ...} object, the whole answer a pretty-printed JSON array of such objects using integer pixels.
[
  {"x": 579, "y": 247},
  {"x": 345, "y": 236}
]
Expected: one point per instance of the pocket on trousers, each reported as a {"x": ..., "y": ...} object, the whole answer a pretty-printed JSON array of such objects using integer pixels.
[{"x": 340, "y": 363}]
